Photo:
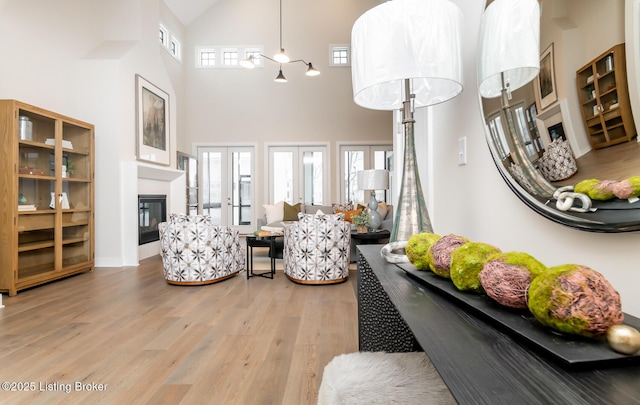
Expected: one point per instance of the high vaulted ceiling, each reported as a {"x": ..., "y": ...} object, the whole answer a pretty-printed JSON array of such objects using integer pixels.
[{"x": 188, "y": 10}]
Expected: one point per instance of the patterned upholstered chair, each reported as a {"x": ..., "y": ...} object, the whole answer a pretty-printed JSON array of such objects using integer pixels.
[
  {"x": 196, "y": 252},
  {"x": 316, "y": 249},
  {"x": 557, "y": 163}
]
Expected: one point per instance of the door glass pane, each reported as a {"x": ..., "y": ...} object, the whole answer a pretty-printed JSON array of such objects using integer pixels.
[
  {"x": 501, "y": 137},
  {"x": 524, "y": 134},
  {"x": 383, "y": 160},
  {"x": 312, "y": 174},
  {"x": 212, "y": 185},
  {"x": 283, "y": 176},
  {"x": 353, "y": 162},
  {"x": 241, "y": 188}
]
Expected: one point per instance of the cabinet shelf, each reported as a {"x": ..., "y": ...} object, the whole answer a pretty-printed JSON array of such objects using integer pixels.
[
  {"x": 36, "y": 144},
  {"x": 53, "y": 157},
  {"x": 24, "y": 247},
  {"x": 73, "y": 240}
]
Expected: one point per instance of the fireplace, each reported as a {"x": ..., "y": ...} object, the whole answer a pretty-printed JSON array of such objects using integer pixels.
[{"x": 152, "y": 209}]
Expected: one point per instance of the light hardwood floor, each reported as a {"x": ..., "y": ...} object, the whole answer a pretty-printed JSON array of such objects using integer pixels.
[
  {"x": 256, "y": 341},
  {"x": 616, "y": 162}
]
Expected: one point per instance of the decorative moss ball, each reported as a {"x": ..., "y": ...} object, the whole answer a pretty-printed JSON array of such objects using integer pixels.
[
  {"x": 629, "y": 188},
  {"x": 417, "y": 249},
  {"x": 440, "y": 253},
  {"x": 596, "y": 189},
  {"x": 575, "y": 299},
  {"x": 585, "y": 186},
  {"x": 467, "y": 262},
  {"x": 506, "y": 277}
]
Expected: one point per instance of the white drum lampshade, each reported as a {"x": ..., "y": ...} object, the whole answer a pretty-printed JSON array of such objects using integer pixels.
[
  {"x": 406, "y": 39},
  {"x": 509, "y": 46}
]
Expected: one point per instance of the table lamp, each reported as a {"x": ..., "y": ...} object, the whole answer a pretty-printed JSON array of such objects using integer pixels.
[
  {"x": 509, "y": 59},
  {"x": 406, "y": 54},
  {"x": 373, "y": 180}
]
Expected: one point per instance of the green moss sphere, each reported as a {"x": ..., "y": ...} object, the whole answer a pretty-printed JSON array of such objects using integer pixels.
[
  {"x": 596, "y": 189},
  {"x": 575, "y": 299},
  {"x": 467, "y": 262},
  {"x": 417, "y": 249},
  {"x": 585, "y": 186}
]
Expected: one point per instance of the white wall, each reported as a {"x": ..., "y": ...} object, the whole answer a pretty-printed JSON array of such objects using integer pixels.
[
  {"x": 80, "y": 59},
  {"x": 474, "y": 201},
  {"x": 240, "y": 105}
]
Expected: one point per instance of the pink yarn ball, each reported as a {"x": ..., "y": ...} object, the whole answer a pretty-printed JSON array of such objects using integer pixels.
[
  {"x": 440, "y": 253},
  {"x": 506, "y": 283}
]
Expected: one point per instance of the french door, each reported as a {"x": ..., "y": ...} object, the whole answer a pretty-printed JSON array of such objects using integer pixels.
[
  {"x": 299, "y": 174},
  {"x": 227, "y": 185},
  {"x": 354, "y": 158}
]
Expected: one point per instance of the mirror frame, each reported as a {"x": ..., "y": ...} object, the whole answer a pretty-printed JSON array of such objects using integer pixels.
[{"x": 611, "y": 217}]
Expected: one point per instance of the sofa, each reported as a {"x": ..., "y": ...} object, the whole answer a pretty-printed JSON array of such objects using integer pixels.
[{"x": 276, "y": 215}]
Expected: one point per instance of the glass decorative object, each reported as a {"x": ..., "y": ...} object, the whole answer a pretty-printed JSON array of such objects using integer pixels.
[{"x": 411, "y": 215}]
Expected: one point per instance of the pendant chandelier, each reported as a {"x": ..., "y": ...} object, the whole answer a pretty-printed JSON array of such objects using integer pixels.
[{"x": 280, "y": 58}]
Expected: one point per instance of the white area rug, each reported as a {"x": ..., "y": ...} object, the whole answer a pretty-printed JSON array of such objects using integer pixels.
[{"x": 382, "y": 378}]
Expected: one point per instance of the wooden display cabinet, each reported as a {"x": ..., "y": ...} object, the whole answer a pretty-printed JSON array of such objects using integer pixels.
[
  {"x": 604, "y": 99},
  {"x": 47, "y": 196}
]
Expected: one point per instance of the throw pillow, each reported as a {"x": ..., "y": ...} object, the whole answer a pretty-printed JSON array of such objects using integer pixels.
[
  {"x": 274, "y": 213},
  {"x": 382, "y": 209},
  {"x": 348, "y": 215},
  {"x": 290, "y": 212}
]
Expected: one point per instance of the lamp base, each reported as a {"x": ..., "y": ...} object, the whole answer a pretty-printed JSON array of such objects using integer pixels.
[{"x": 374, "y": 215}]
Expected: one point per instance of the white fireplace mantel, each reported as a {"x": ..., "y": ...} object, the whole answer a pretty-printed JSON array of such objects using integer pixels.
[
  {"x": 158, "y": 173},
  {"x": 133, "y": 173}
]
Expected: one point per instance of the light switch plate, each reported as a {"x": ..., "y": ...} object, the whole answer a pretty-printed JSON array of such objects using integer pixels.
[{"x": 462, "y": 151}]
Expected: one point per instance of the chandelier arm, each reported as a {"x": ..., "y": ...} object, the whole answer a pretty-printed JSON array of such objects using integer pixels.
[
  {"x": 299, "y": 60},
  {"x": 271, "y": 59}
]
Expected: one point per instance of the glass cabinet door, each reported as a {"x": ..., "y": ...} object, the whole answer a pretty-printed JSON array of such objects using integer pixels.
[
  {"x": 36, "y": 184},
  {"x": 74, "y": 200}
]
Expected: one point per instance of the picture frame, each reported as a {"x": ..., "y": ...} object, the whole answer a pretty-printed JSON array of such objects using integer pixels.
[
  {"x": 152, "y": 123},
  {"x": 545, "y": 85}
]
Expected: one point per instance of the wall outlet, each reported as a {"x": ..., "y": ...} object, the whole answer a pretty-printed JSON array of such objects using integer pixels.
[{"x": 462, "y": 151}]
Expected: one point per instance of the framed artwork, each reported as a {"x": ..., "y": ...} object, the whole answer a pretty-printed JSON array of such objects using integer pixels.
[
  {"x": 152, "y": 123},
  {"x": 545, "y": 86}
]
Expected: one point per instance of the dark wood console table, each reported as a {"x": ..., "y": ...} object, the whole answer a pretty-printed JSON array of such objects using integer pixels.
[{"x": 479, "y": 363}]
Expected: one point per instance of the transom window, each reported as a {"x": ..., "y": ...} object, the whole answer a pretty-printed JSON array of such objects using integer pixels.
[
  {"x": 226, "y": 56},
  {"x": 230, "y": 57},
  {"x": 340, "y": 55},
  {"x": 207, "y": 58},
  {"x": 169, "y": 42},
  {"x": 256, "y": 56}
]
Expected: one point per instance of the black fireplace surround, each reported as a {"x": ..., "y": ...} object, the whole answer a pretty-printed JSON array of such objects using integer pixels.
[{"x": 152, "y": 209}]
